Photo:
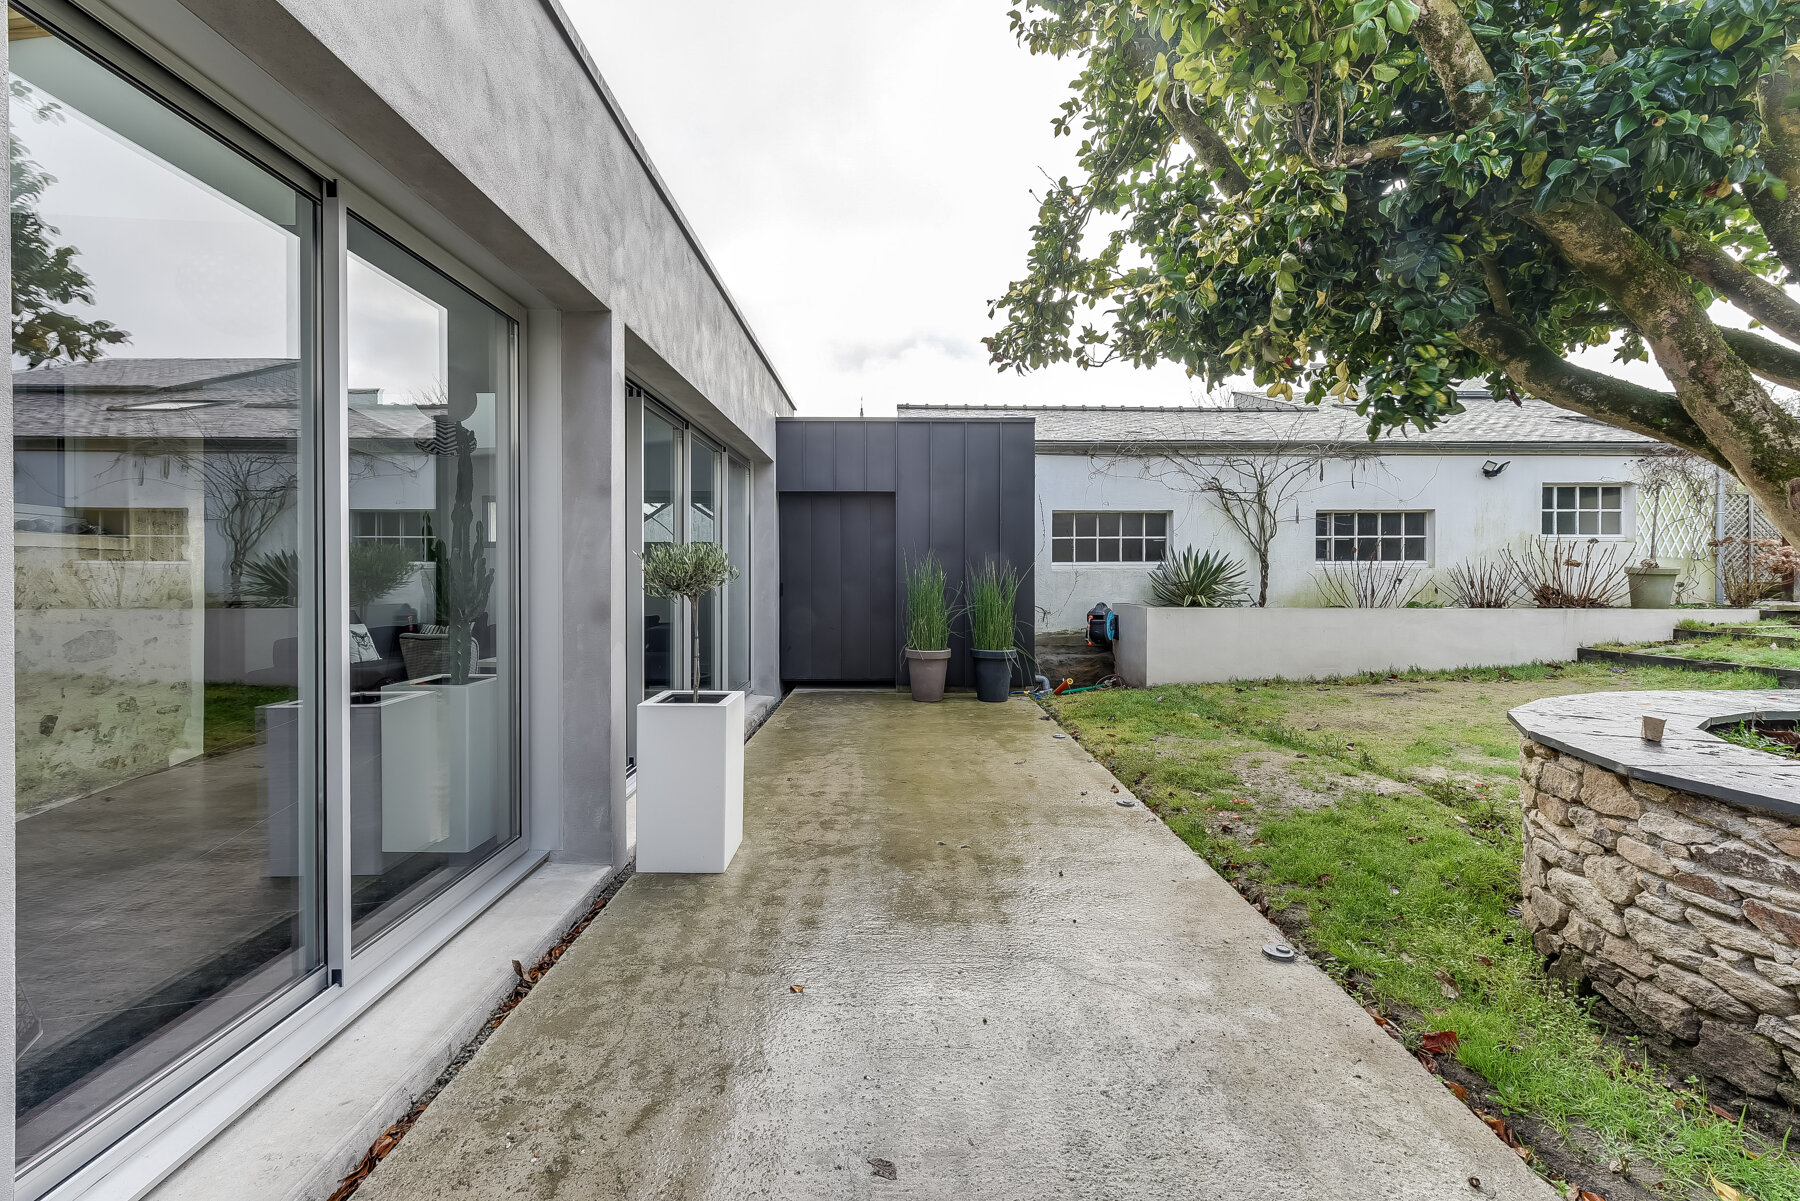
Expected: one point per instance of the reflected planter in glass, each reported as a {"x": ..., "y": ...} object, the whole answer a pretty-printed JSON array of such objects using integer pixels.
[
  {"x": 452, "y": 802},
  {"x": 690, "y": 781}
]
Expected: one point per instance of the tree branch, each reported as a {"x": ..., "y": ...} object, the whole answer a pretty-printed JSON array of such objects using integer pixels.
[
  {"x": 1548, "y": 376},
  {"x": 1780, "y": 149},
  {"x": 1759, "y": 438},
  {"x": 1455, "y": 58},
  {"x": 1390, "y": 147},
  {"x": 1209, "y": 148},
  {"x": 1770, "y": 359},
  {"x": 1712, "y": 266}
]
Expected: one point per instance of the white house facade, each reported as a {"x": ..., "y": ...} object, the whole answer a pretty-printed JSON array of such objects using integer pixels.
[
  {"x": 1120, "y": 488},
  {"x": 358, "y": 348}
]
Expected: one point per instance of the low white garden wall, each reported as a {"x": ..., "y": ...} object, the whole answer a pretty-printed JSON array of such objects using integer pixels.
[{"x": 1205, "y": 646}]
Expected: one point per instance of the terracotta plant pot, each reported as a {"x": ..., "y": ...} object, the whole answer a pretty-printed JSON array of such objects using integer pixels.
[{"x": 926, "y": 671}]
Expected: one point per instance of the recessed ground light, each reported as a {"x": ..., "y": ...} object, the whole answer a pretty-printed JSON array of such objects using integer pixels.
[{"x": 1280, "y": 952}]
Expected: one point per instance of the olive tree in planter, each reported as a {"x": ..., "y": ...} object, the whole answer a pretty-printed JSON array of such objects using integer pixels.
[
  {"x": 690, "y": 743},
  {"x": 993, "y": 589},
  {"x": 927, "y": 629}
]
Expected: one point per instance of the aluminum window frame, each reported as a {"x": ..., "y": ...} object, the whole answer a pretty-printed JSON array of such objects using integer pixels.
[{"x": 254, "y": 1052}]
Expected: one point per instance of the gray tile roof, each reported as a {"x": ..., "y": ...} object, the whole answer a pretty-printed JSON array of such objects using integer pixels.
[
  {"x": 1486, "y": 424},
  {"x": 250, "y": 399}
]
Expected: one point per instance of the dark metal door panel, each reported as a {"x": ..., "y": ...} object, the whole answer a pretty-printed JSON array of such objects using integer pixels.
[{"x": 838, "y": 613}]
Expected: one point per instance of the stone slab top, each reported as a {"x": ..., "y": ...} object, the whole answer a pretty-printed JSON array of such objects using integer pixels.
[{"x": 1605, "y": 728}]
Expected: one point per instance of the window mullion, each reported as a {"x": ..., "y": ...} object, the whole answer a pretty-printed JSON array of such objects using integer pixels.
[{"x": 333, "y": 627}]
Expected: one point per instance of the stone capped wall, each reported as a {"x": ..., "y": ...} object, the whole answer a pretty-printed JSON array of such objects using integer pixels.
[{"x": 1681, "y": 911}]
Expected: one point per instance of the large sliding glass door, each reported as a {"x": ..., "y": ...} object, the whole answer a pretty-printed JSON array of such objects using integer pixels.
[
  {"x": 164, "y": 404},
  {"x": 172, "y": 531}
]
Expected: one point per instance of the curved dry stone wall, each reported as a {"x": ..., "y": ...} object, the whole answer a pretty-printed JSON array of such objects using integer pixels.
[{"x": 1683, "y": 912}]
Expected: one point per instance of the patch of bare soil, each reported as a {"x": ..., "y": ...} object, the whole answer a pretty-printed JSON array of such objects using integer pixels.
[{"x": 1290, "y": 780}]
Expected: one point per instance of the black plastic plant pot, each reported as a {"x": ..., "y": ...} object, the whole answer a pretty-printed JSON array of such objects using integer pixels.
[{"x": 993, "y": 675}]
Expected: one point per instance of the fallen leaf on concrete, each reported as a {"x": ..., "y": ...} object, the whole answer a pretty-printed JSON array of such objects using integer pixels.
[
  {"x": 884, "y": 1168},
  {"x": 1474, "y": 1182},
  {"x": 1584, "y": 1195},
  {"x": 796, "y": 988},
  {"x": 1427, "y": 1062},
  {"x": 1376, "y": 1014},
  {"x": 1115, "y": 788},
  {"x": 1440, "y": 1042},
  {"x": 1457, "y": 1091},
  {"x": 1498, "y": 1126},
  {"x": 1447, "y": 985},
  {"x": 1524, "y": 1151}
]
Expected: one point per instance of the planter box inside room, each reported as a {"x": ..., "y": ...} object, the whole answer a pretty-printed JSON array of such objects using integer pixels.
[
  {"x": 690, "y": 781},
  {"x": 393, "y": 748},
  {"x": 455, "y": 803}
]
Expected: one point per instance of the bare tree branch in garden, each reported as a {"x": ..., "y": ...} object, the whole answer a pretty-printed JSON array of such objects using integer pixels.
[
  {"x": 1252, "y": 484},
  {"x": 1372, "y": 200}
]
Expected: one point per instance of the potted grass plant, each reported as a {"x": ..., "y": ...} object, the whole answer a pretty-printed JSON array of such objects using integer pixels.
[
  {"x": 927, "y": 629},
  {"x": 992, "y": 591},
  {"x": 690, "y": 742}
]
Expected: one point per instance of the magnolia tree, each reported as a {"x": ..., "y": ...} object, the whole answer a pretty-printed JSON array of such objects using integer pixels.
[{"x": 1369, "y": 200}]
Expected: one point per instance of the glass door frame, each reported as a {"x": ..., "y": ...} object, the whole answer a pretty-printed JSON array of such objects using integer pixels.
[
  {"x": 237, "y": 1063},
  {"x": 687, "y": 435}
]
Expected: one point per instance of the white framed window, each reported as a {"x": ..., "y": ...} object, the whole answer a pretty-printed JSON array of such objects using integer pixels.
[
  {"x": 1390, "y": 536},
  {"x": 1596, "y": 510},
  {"x": 1108, "y": 537}
]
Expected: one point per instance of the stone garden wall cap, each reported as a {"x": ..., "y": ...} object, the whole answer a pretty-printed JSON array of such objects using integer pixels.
[{"x": 1605, "y": 728}]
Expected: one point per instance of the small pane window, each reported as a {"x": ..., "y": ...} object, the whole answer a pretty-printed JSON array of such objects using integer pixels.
[
  {"x": 1108, "y": 537},
  {"x": 1584, "y": 510},
  {"x": 1389, "y": 537}
]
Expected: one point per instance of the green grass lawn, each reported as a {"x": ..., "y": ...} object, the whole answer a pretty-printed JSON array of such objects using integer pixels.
[
  {"x": 231, "y": 714},
  {"x": 1749, "y": 650},
  {"x": 1380, "y": 815}
]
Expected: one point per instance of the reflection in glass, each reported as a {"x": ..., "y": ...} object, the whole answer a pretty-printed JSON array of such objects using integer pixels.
[
  {"x": 430, "y": 622},
  {"x": 737, "y": 545},
  {"x": 703, "y": 526},
  {"x": 662, "y": 515},
  {"x": 163, "y": 400}
]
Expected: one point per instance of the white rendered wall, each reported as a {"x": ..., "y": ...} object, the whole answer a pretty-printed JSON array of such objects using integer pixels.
[
  {"x": 1203, "y": 646},
  {"x": 1472, "y": 516}
]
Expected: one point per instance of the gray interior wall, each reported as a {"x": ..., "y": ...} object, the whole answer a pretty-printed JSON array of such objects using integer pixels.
[{"x": 962, "y": 488}]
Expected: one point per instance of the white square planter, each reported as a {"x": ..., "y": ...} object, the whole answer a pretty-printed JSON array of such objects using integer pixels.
[
  {"x": 690, "y": 782},
  {"x": 456, "y": 799}
]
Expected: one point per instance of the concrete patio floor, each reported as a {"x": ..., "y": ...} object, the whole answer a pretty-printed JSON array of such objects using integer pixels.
[{"x": 1013, "y": 988}]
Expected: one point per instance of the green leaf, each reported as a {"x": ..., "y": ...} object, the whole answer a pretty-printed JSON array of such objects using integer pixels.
[
  {"x": 1400, "y": 15},
  {"x": 1558, "y": 169},
  {"x": 1384, "y": 73},
  {"x": 1478, "y": 85}
]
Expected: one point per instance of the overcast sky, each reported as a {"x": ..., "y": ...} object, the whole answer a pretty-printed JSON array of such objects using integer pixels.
[{"x": 862, "y": 176}]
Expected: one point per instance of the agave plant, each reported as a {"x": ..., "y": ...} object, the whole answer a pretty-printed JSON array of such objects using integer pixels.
[{"x": 1191, "y": 580}]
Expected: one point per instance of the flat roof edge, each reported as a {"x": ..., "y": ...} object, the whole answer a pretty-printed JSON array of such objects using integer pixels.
[{"x": 566, "y": 28}]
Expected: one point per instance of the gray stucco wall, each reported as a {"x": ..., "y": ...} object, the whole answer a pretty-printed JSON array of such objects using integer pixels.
[{"x": 489, "y": 114}]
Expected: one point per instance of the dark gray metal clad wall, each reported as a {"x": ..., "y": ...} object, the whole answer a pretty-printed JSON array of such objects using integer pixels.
[{"x": 859, "y": 499}]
